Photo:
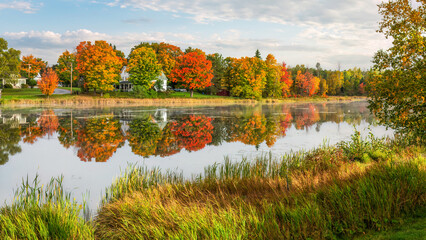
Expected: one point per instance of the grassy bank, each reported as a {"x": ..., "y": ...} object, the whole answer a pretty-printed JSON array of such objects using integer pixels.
[
  {"x": 342, "y": 191},
  {"x": 34, "y": 98}
]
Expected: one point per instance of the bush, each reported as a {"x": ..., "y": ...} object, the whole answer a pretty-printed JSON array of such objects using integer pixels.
[
  {"x": 24, "y": 85},
  {"x": 31, "y": 83},
  {"x": 7, "y": 85},
  {"x": 143, "y": 92}
]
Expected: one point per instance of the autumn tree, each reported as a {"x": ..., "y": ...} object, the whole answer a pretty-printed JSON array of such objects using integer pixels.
[
  {"x": 397, "y": 90},
  {"x": 307, "y": 83},
  {"x": 49, "y": 82},
  {"x": 143, "y": 67},
  {"x": 193, "y": 71},
  {"x": 334, "y": 82},
  {"x": 167, "y": 55},
  {"x": 31, "y": 66},
  {"x": 9, "y": 60},
  {"x": 286, "y": 81},
  {"x": 246, "y": 77},
  {"x": 63, "y": 69},
  {"x": 273, "y": 85},
  {"x": 323, "y": 88},
  {"x": 99, "y": 64}
]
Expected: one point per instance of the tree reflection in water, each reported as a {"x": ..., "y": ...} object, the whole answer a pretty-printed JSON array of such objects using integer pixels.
[{"x": 97, "y": 138}]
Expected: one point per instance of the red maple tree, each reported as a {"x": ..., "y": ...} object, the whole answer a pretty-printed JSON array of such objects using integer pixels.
[{"x": 193, "y": 71}]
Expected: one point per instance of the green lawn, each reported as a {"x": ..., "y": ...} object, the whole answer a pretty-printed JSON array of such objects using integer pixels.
[
  {"x": 188, "y": 95},
  {"x": 414, "y": 229},
  {"x": 74, "y": 89},
  {"x": 26, "y": 93}
]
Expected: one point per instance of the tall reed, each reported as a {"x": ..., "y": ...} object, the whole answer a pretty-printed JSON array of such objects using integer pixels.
[
  {"x": 43, "y": 212},
  {"x": 320, "y": 194}
]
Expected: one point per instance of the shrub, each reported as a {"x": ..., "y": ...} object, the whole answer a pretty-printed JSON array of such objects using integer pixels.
[
  {"x": 7, "y": 85},
  {"x": 31, "y": 82}
]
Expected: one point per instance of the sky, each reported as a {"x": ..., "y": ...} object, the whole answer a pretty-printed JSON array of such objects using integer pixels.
[{"x": 330, "y": 32}]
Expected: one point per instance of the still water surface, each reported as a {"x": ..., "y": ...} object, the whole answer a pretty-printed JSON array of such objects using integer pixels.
[{"x": 89, "y": 147}]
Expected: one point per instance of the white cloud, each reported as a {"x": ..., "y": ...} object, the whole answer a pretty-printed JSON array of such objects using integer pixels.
[
  {"x": 283, "y": 11},
  {"x": 23, "y": 6},
  {"x": 49, "y": 45},
  {"x": 328, "y": 45},
  {"x": 333, "y": 30}
]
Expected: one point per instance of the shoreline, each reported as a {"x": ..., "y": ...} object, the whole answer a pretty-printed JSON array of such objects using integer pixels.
[{"x": 98, "y": 102}]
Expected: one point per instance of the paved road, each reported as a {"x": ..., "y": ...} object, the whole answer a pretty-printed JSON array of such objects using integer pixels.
[{"x": 61, "y": 91}]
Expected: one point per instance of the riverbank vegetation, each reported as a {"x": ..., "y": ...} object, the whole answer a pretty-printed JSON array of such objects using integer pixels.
[
  {"x": 357, "y": 186},
  {"x": 33, "y": 97}
]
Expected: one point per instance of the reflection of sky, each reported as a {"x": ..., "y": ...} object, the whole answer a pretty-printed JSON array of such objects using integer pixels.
[{"x": 49, "y": 158}]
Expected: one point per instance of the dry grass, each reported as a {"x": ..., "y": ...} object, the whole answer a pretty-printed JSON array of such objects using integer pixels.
[
  {"x": 320, "y": 194},
  {"x": 96, "y": 101}
]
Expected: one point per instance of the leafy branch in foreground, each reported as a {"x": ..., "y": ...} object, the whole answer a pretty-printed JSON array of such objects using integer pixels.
[{"x": 398, "y": 87}]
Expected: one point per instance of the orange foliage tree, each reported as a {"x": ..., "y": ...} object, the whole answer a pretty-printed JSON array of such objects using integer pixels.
[
  {"x": 31, "y": 66},
  {"x": 49, "y": 82},
  {"x": 99, "y": 65},
  {"x": 193, "y": 71},
  {"x": 98, "y": 139},
  {"x": 307, "y": 83},
  {"x": 286, "y": 80},
  {"x": 167, "y": 56},
  {"x": 193, "y": 132}
]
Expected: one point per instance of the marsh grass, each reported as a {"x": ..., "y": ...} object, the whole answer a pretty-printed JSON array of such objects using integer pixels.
[
  {"x": 326, "y": 193},
  {"x": 43, "y": 212},
  {"x": 319, "y": 194}
]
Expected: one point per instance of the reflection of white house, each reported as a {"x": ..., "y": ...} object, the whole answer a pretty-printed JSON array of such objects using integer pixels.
[
  {"x": 15, "y": 120},
  {"x": 126, "y": 86},
  {"x": 160, "y": 117}
]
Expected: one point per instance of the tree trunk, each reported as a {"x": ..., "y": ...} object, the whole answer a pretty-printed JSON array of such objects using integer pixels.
[{"x": 192, "y": 93}]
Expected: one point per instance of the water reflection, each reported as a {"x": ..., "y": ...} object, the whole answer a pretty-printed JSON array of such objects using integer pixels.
[{"x": 95, "y": 135}]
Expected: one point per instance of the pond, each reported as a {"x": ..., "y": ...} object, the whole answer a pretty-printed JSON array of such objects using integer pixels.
[{"x": 90, "y": 147}]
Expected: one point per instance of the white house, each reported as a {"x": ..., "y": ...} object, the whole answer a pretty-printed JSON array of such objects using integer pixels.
[
  {"x": 163, "y": 80},
  {"x": 38, "y": 77},
  {"x": 15, "y": 80},
  {"x": 126, "y": 86}
]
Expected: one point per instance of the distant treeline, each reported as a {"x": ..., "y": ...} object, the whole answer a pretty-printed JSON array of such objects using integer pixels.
[{"x": 97, "y": 66}]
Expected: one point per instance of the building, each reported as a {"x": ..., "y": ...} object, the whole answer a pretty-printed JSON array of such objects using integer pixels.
[
  {"x": 126, "y": 86},
  {"x": 15, "y": 80}
]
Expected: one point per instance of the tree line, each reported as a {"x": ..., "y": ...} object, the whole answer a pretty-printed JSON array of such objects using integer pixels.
[{"x": 97, "y": 67}]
